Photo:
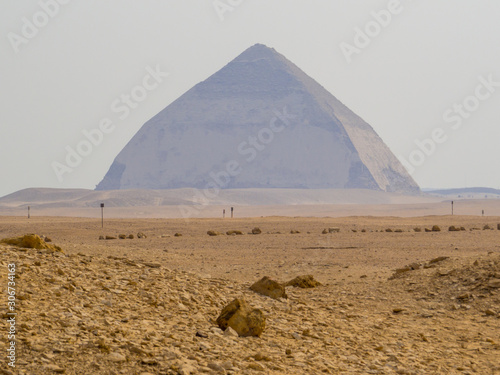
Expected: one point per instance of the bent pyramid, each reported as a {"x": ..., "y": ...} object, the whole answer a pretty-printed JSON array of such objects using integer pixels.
[{"x": 259, "y": 122}]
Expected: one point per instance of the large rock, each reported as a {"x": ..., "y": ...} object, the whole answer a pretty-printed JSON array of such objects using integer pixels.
[
  {"x": 270, "y": 288},
  {"x": 245, "y": 320},
  {"x": 306, "y": 138}
]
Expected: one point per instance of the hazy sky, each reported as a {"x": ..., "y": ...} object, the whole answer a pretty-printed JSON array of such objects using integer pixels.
[{"x": 413, "y": 70}]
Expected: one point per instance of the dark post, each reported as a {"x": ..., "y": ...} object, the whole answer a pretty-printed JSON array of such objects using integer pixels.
[
  {"x": 483, "y": 212},
  {"x": 232, "y": 208},
  {"x": 28, "y": 212},
  {"x": 223, "y": 213},
  {"x": 102, "y": 215},
  {"x": 452, "y": 208}
]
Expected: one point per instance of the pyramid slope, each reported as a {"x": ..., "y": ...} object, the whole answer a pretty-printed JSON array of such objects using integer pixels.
[
  {"x": 320, "y": 144},
  {"x": 385, "y": 168}
]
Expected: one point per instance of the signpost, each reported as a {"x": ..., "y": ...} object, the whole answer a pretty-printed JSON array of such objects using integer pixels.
[
  {"x": 232, "y": 208},
  {"x": 102, "y": 215}
]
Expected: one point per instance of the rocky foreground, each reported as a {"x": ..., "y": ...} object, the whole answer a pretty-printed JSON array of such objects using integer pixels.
[{"x": 80, "y": 314}]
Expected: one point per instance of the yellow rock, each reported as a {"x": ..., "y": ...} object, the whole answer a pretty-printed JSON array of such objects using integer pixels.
[
  {"x": 30, "y": 241},
  {"x": 242, "y": 318}
]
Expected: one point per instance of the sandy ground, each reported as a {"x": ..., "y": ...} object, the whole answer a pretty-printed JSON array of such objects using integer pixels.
[
  {"x": 442, "y": 318},
  {"x": 331, "y": 257}
]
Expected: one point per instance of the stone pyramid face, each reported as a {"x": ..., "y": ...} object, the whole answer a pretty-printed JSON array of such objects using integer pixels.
[{"x": 259, "y": 122}]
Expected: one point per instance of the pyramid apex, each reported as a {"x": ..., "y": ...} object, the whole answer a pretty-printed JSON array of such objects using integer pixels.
[
  {"x": 259, "y": 46},
  {"x": 257, "y": 51}
]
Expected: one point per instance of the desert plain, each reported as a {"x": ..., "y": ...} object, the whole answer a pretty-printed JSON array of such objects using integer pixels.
[{"x": 390, "y": 302}]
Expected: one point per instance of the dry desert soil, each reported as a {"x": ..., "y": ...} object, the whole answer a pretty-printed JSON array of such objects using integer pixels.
[{"x": 400, "y": 302}]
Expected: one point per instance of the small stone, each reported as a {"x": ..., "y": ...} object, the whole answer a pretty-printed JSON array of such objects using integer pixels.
[
  {"x": 149, "y": 361},
  {"x": 269, "y": 287},
  {"x": 152, "y": 265},
  {"x": 228, "y": 365},
  {"x": 305, "y": 281},
  {"x": 256, "y": 231},
  {"x": 256, "y": 366},
  {"x": 136, "y": 350},
  {"x": 201, "y": 334},
  {"x": 55, "y": 368},
  {"x": 230, "y": 332},
  {"x": 216, "y": 367},
  {"x": 186, "y": 369},
  {"x": 48, "y": 356},
  {"x": 261, "y": 357},
  {"x": 216, "y": 330},
  {"x": 494, "y": 283},
  {"x": 204, "y": 346},
  {"x": 117, "y": 357},
  {"x": 437, "y": 260}
]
